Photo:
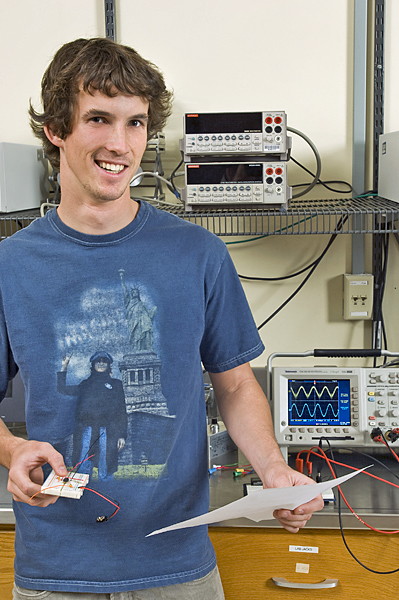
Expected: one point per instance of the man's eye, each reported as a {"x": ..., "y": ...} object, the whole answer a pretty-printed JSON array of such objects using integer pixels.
[
  {"x": 97, "y": 119},
  {"x": 137, "y": 123}
]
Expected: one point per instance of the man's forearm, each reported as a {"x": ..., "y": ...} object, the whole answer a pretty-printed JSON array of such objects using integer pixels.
[
  {"x": 8, "y": 443},
  {"x": 246, "y": 414}
]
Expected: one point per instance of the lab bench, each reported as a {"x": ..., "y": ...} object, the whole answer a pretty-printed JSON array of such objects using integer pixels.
[
  {"x": 254, "y": 557},
  {"x": 258, "y": 560}
]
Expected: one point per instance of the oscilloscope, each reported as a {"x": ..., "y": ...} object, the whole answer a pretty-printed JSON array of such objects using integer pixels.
[{"x": 344, "y": 405}]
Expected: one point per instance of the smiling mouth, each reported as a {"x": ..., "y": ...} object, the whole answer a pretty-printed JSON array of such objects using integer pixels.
[{"x": 110, "y": 168}]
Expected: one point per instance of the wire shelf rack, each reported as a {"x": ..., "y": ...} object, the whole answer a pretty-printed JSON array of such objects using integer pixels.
[
  {"x": 304, "y": 217},
  {"x": 12, "y": 222},
  {"x": 359, "y": 215}
]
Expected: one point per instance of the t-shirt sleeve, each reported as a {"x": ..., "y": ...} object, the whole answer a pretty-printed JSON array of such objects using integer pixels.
[
  {"x": 8, "y": 368},
  {"x": 230, "y": 336}
]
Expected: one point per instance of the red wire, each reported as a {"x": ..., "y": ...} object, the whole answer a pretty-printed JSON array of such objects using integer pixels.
[
  {"x": 329, "y": 461},
  {"x": 104, "y": 498},
  {"x": 345, "y": 465},
  {"x": 79, "y": 463}
]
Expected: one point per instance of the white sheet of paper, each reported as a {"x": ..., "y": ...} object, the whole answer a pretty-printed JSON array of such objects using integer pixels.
[{"x": 261, "y": 505}]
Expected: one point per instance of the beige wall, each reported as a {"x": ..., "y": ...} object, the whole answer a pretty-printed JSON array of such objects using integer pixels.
[{"x": 222, "y": 55}]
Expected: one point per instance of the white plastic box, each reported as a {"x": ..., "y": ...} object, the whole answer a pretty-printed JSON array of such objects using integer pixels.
[
  {"x": 388, "y": 163},
  {"x": 22, "y": 177}
]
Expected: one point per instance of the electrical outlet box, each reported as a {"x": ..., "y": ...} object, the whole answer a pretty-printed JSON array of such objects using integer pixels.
[{"x": 358, "y": 296}]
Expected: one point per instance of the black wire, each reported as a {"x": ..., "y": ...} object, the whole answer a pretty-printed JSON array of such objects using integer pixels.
[
  {"x": 174, "y": 173},
  {"x": 342, "y": 528},
  {"x": 251, "y": 278},
  {"x": 298, "y": 289},
  {"x": 323, "y": 183},
  {"x": 279, "y": 278},
  {"x": 378, "y": 313},
  {"x": 75, "y": 469},
  {"x": 373, "y": 458}
]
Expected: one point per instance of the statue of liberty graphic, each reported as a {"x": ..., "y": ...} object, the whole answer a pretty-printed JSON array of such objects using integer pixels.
[{"x": 139, "y": 319}]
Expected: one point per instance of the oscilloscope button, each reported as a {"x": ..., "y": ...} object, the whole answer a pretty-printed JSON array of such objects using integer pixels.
[
  {"x": 301, "y": 430},
  {"x": 310, "y": 430},
  {"x": 337, "y": 430},
  {"x": 328, "y": 429},
  {"x": 355, "y": 396},
  {"x": 355, "y": 424},
  {"x": 319, "y": 430}
]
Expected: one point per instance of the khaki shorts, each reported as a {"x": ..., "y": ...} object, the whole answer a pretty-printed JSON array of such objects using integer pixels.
[{"x": 205, "y": 588}]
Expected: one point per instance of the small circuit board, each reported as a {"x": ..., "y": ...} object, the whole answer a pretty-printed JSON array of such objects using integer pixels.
[{"x": 71, "y": 486}]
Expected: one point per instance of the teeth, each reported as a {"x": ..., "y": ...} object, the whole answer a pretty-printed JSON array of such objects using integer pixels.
[{"x": 111, "y": 167}]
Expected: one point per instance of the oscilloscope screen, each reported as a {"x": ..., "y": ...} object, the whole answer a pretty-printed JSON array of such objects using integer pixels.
[{"x": 319, "y": 401}]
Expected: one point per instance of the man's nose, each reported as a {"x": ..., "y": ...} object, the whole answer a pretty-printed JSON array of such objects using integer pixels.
[{"x": 118, "y": 139}]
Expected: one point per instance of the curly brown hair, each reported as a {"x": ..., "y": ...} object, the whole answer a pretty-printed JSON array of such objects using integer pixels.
[{"x": 96, "y": 64}]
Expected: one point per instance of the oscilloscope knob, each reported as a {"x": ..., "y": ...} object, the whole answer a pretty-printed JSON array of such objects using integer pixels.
[
  {"x": 382, "y": 412},
  {"x": 395, "y": 412}
]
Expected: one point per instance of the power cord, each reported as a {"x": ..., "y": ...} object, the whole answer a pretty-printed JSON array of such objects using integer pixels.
[
  {"x": 320, "y": 182},
  {"x": 318, "y": 162},
  {"x": 313, "y": 268}
]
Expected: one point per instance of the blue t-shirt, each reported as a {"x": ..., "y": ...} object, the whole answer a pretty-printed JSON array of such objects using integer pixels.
[{"x": 161, "y": 299}]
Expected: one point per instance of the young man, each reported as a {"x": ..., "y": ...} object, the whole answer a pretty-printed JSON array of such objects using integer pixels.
[{"x": 101, "y": 102}]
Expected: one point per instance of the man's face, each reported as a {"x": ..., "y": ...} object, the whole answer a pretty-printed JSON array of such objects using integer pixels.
[
  {"x": 103, "y": 152},
  {"x": 101, "y": 365}
]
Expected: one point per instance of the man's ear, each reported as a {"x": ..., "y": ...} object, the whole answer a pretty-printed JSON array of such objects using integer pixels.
[{"x": 53, "y": 137}]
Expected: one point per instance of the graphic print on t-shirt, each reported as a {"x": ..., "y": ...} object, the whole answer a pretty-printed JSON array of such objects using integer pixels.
[{"x": 111, "y": 368}]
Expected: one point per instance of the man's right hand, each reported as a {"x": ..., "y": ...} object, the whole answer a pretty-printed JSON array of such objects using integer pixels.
[{"x": 25, "y": 471}]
